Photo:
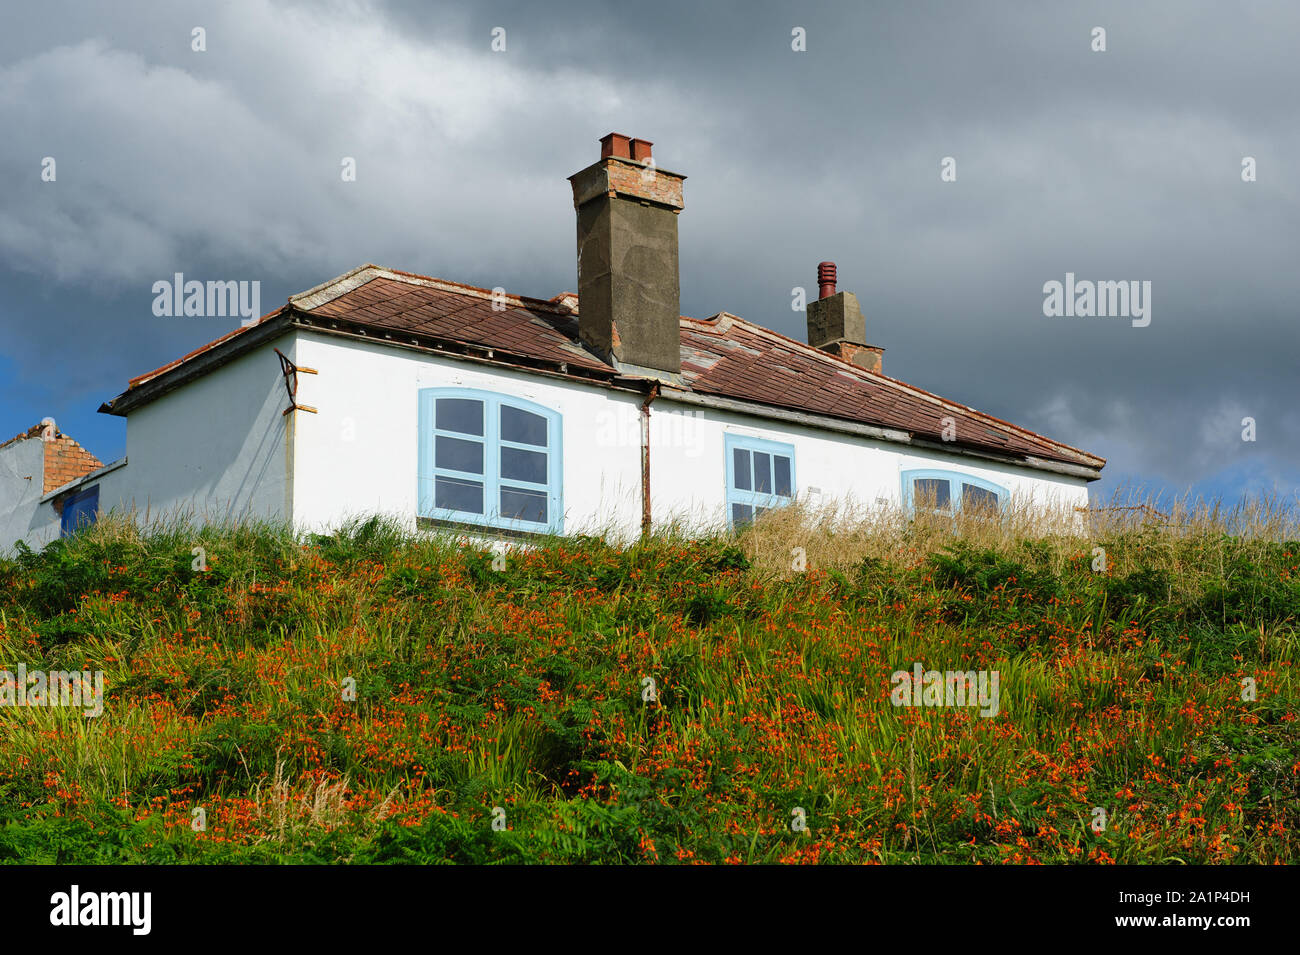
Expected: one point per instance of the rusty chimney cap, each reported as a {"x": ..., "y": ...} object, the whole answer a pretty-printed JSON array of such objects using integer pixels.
[
  {"x": 616, "y": 144},
  {"x": 825, "y": 279}
]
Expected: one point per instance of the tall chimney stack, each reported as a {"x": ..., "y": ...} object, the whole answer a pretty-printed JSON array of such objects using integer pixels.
[
  {"x": 628, "y": 287},
  {"x": 836, "y": 325}
]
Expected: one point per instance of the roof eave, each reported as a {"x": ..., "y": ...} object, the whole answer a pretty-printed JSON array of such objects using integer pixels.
[
  {"x": 148, "y": 391},
  {"x": 460, "y": 351},
  {"x": 75, "y": 483},
  {"x": 892, "y": 435}
]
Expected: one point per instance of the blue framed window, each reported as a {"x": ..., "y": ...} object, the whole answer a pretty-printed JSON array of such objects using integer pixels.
[
  {"x": 80, "y": 509},
  {"x": 760, "y": 476},
  {"x": 490, "y": 459},
  {"x": 951, "y": 491}
]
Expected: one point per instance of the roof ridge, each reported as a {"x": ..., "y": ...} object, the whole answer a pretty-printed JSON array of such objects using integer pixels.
[{"x": 366, "y": 273}]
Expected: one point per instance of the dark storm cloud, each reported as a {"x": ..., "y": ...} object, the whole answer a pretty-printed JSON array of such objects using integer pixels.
[{"x": 1116, "y": 165}]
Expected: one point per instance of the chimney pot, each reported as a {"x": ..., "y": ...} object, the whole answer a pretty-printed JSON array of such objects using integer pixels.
[
  {"x": 641, "y": 150},
  {"x": 615, "y": 144},
  {"x": 825, "y": 279}
]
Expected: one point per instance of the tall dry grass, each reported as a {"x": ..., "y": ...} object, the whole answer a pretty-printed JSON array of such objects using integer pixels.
[{"x": 1188, "y": 537}]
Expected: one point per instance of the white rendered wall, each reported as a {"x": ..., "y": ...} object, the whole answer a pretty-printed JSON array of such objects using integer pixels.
[
  {"x": 688, "y": 466},
  {"x": 359, "y": 454},
  {"x": 213, "y": 449},
  {"x": 22, "y": 477},
  {"x": 219, "y": 448}
]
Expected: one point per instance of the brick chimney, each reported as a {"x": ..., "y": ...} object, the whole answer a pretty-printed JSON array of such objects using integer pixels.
[
  {"x": 628, "y": 292},
  {"x": 836, "y": 324}
]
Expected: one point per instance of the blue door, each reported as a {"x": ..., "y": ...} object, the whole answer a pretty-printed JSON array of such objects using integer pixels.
[{"x": 80, "y": 510}]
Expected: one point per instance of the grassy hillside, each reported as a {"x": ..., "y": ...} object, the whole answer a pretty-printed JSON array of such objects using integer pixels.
[{"x": 521, "y": 687}]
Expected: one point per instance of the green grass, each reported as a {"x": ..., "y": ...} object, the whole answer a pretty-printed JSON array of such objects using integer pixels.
[{"x": 522, "y": 689}]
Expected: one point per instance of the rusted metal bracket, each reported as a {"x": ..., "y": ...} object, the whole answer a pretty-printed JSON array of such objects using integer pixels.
[{"x": 290, "y": 372}]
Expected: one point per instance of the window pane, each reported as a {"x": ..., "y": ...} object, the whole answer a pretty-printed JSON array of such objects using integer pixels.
[
  {"x": 782, "y": 468},
  {"x": 523, "y": 427},
  {"x": 520, "y": 465},
  {"x": 978, "y": 499},
  {"x": 762, "y": 472},
  {"x": 464, "y": 415},
  {"x": 518, "y": 504},
  {"x": 741, "y": 514},
  {"x": 740, "y": 464},
  {"x": 458, "y": 455},
  {"x": 457, "y": 495},
  {"x": 931, "y": 492}
]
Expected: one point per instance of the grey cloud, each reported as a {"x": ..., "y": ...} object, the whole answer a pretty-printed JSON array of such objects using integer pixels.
[{"x": 1113, "y": 166}]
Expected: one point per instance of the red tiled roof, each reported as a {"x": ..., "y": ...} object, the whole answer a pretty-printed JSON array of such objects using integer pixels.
[
  {"x": 526, "y": 327},
  {"x": 730, "y": 357},
  {"x": 724, "y": 356}
]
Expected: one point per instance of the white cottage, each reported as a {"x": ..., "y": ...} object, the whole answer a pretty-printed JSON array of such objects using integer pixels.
[{"x": 446, "y": 405}]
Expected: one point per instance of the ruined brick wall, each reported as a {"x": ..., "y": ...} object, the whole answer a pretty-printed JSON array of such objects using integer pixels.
[{"x": 65, "y": 461}]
